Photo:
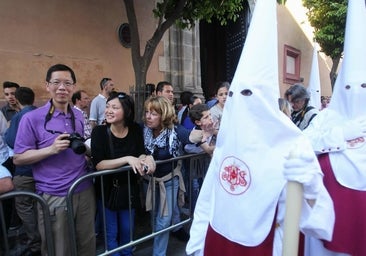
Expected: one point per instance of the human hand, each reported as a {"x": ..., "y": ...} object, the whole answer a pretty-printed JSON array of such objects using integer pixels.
[
  {"x": 355, "y": 128},
  {"x": 301, "y": 169},
  {"x": 196, "y": 136},
  {"x": 148, "y": 165},
  {"x": 60, "y": 143}
]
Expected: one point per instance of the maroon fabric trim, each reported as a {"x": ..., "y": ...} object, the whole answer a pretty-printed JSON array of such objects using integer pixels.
[{"x": 349, "y": 235}]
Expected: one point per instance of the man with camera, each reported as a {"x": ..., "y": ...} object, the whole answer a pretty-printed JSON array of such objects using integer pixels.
[{"x": 51, "y": 139}]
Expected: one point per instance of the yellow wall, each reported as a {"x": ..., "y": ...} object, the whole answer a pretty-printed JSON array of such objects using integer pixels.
[
  {"x": 82, "y": 34},
  {"x": 294, "y": 31}
]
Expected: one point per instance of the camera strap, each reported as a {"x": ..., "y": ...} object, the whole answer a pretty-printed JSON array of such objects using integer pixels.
[{"x": 50, "y": 114}]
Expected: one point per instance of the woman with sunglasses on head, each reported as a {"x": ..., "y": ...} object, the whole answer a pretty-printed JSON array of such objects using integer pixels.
[{"x": 117, "y": 144}]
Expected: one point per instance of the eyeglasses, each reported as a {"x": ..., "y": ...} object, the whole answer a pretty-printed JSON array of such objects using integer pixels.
[{"x": 57, "y": 83}]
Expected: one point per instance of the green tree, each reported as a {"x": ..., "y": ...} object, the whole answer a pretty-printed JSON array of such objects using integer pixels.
[{"x": 328, "y": 18}]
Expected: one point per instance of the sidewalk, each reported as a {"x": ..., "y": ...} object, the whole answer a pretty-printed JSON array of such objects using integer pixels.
[{"x": 175, "y": 247}]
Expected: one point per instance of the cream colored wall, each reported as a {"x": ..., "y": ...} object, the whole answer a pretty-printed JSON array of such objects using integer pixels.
[
  {"x": 82, "y": 34},
  {"x": 290, "y": 33}
]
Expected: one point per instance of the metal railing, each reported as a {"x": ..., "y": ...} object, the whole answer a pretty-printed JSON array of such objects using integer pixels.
[
  {"x": 46, "y": 213},
  {"x": 198, "y": 165}
]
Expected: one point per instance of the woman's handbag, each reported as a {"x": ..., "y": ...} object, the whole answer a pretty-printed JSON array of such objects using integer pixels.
[{"x": 118, "y": 197}]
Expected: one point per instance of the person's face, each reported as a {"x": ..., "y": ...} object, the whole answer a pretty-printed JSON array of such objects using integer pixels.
[
  {"x": 9, "y": 94},
  {"x": 296, "y": 104},
  {"x": 60, "y": 86},
  {"x": 84, "y": 101},
  {"x": 206, "y": 119},
  {"x": 109, "y": 86},
  {"x": 114, "y": 111},
  {"x": 221, "y": 96},
  {"x": 168, "y": 93},
  {"x": 153, "y": 119}
]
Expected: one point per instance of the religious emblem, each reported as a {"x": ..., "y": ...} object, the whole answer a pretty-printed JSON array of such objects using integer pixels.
[{"x": 234, "y": 175}]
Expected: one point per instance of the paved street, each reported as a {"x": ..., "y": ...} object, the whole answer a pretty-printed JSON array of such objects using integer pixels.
[{"x": 175, "y": 247}]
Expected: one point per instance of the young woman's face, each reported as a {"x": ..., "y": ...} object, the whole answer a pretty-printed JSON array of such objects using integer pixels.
[
  {"x": 114, "y": 111},
  {"x": 153, "y": 119},
  {"x": 221, "y": 96}
]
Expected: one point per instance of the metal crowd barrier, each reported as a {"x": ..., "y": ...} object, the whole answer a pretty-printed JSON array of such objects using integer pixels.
[
  {"x": 47, "y": 219},
  {"x": 197, "y": 164}
]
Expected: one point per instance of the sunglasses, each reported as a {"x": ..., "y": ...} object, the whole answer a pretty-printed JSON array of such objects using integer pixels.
[{"x": 119, "y": 95}]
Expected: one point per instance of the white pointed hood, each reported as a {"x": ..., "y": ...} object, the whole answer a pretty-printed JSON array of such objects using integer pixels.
[
  {"x": 349, "y": 95},
  {"x": 347, "y": 103},
  {"x": 314, "y": 81},
  {"x": 254, "y": 138}
]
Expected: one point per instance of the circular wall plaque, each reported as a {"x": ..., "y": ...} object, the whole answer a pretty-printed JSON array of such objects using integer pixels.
[{"x": 124, "y": 35}]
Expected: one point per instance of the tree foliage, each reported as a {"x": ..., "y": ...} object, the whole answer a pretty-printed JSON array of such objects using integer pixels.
[
  {"x": 194, "y": 10},
  {"x": 328, "y": 18}
]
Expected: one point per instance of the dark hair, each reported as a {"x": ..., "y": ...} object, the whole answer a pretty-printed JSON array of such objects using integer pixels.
[
  {"x": 60, "y": 67},
  {"x": 127, "y": 104},
  {"x": 160, "y": 86},
  {"x": 8, "y": 84},
  {"x": 24, "y": 95},
  {"x": 186, "y": 98},
  {"x": 297, "y": 91},
  {"x": 222, "y": 84},
  {"x": 104, "y": 81},
  {"x": 76, "y": 96},
  {"x": 196, "y": 112}
]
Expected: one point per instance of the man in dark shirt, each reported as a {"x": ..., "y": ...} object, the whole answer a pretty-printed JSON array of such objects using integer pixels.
[{"x": 11, "y": 107}]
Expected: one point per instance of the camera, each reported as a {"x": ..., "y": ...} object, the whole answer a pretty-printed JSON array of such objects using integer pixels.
[{"x": 76, "y": 143}]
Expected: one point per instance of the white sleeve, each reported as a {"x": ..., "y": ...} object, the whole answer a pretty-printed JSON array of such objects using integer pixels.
[
  {"x": 4, "y": 173},
  {"x": 318, "y": 221},
  {"x": 201, "y": 218},
  {"x": 93, "y": 114},
  {"x": 325, "y": 137}
]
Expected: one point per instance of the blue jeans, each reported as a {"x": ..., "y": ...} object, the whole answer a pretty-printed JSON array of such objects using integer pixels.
[
  {"x": 161, "y": 222},
  {"x": 118, "y": 228}
]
